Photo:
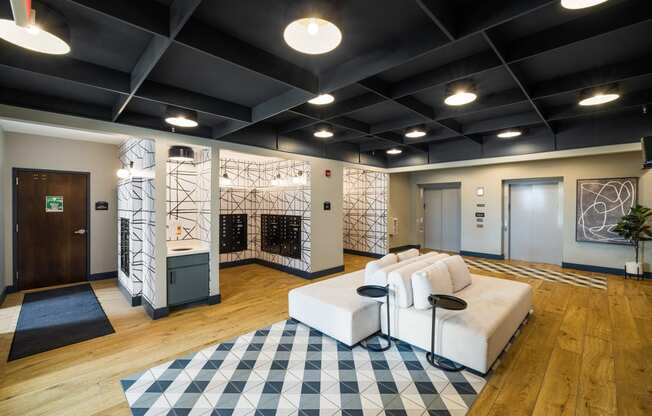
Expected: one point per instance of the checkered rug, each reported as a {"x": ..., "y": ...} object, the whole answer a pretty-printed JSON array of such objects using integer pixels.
[
  {"x": 596, "y": 281},
  {"x": 291, "y": 369}
]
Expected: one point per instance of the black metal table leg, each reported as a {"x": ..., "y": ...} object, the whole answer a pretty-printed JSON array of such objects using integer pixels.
[
  {"x": 435, "y": 360},
  {"x": 364, "y": 343}
]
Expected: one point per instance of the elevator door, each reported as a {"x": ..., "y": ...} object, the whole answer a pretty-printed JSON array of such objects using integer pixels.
[
  {"x": 535, "y": 223},
  {"x": 442, "y": 219}
]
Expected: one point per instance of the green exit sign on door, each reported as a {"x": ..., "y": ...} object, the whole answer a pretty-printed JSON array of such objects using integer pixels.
[{"x": 53, "y": 203}]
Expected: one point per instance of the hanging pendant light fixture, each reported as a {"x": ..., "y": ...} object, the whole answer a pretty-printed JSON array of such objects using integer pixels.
[
  {"x": 46, "y": 33},
  {"x": 181, "y": 154},
  {"x": 323, "y": 131},
  {"x": 580, "y": 4},
  {"x": 394, "y": 151},
  {"x": 181, "y": 117},
  {"x": 460, "y": 93},
  {"x": 598, "y": 96},
  {"x": 510, "y": 133},
  {"x": 322, "y": 99},
  {"x": 312, "y": 27},
  {"x": 415, "y": 132}
]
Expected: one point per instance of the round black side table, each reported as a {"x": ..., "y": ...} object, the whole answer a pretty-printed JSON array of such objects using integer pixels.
[
  {"x": 445, "y": 302},
  {"x": 373, "y": 291}
]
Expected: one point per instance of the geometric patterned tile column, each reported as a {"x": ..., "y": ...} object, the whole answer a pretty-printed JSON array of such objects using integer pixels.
[{"x": 366, "y": 196}]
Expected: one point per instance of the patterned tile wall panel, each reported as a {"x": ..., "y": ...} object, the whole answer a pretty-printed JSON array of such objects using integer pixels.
[
  {"x": 188, "y": 197},
  {"x": 366, "y": 196},
  {"x": 253, "y": 194},
  {"x": 136, "y": 203}
]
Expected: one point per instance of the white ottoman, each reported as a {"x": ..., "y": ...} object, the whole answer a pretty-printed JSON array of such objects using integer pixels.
[{"x": 334, "y": 308}]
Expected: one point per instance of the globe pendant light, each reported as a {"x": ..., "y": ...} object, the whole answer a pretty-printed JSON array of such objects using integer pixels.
[
  {"x": 181, "y": 117},
  {"x": 47, "y": 34},
  {"x": 311, "y": 28},
  {"x": 580, "y": 4},
  {"x": 460, "y": 93}
]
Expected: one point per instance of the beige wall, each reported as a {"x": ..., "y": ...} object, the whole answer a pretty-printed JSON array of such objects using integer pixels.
[
  {"x": 489, "y": 239},
  {"x": 101, "y": 160},
  {"x": 326, "y": 244},
  {"x": 645, "y": 187},
  {"x": 399, "y": 207}
]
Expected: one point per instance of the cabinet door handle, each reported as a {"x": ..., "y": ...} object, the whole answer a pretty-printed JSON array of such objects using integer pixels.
[{"x": 173, "y": 278}]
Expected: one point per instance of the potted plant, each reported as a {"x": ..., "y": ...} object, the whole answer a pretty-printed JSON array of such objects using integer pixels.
[{"x": 633, "y": 227}]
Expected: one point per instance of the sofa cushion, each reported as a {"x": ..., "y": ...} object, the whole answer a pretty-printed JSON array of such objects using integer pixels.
[
  {"x": 459, "y": 272},
  {"x": 380, "y": 277},
  {"x": 373, "y": 266},
  {"x": 433, "y": 279},
  {"x": 407, "y": 254},
  {"x": 400, "y": 280}
]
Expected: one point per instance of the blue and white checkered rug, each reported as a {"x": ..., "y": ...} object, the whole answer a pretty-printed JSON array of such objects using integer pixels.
[{"x": 291, "y": 369}]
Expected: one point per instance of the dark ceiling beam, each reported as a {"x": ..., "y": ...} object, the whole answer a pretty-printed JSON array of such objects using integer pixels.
[
  {"x": 49, "y": 103},
  {"x": 205, "y": 39},
  {"x": 601, "y": 22},
  {"x": 166, "y": 94},
  {"x": 442, "y": 14},
  {"x": 518, "y": 82},
  {"x": 487, "y": 14},
  {"x": 148, "y": 15},
  {"x": 499, "y": 123},
  {"x": 178, "y": 14},
  {"x": 65, "y": 68},
  {"x": 608, "y": 74},
  {"x": 396, "y": 124}
]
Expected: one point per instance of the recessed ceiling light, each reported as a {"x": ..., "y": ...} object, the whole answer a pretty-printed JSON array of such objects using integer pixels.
[
  {"x": 415, "y": 132},
  {"x": 51, "y": 35},
  {"x": 322, "y": 99},
  {"x": 312, "y": 35},
  {"x": 181, "y": 117},
  {"x": 599, "y": 98},
  {"x": 394, "y": 151},
  {"x": 323, "y": 132},
  {"x": 508, "y": 134},
  {"x": 460, "y": 93},
  {"x": 580, "y": 4}
]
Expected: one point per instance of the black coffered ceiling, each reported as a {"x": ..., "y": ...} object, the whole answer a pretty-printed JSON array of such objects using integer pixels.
[{"x": 227, "y": 60}]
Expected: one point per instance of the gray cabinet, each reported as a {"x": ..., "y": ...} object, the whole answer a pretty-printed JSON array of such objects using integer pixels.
[{"x": 187, "y": 279}]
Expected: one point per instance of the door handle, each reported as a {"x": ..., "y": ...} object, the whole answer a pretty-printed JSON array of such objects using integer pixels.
[{"x": 80, "y": 231}]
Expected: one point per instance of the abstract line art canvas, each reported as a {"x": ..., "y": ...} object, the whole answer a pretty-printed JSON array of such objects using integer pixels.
[{"x": 600, "y": 204}]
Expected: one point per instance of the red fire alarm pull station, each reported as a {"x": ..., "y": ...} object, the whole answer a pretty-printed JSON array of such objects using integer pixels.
[{"x": 328, "y": 173}]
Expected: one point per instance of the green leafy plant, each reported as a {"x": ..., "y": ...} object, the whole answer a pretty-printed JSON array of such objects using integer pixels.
[{"x": 633, "y": 227}]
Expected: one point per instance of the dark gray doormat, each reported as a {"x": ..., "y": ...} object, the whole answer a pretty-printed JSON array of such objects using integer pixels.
[{"x": 57, "y": 317}]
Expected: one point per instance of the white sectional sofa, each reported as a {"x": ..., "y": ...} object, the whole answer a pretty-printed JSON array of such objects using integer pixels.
[{"x": 473, "y": 337}]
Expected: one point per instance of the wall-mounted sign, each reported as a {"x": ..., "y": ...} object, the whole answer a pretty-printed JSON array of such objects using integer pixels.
[
  {"x": 479, "y": 214},
  {"x": 479, "y": 225},
  {"x": 327, "y": 206},
  {"x": 101, "y": 206},
  {"x": 479, "y": 219},
  {"x": 479, "y": 191},
  {"x": 53, "y": 203},
  {"x": 480, "y": 205}
]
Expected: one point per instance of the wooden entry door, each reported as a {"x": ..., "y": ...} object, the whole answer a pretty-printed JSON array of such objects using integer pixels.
[{"x": 52, "y": 228}]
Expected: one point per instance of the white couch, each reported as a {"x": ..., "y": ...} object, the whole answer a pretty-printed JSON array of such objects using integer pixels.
[{"x": 473, "y": 337}]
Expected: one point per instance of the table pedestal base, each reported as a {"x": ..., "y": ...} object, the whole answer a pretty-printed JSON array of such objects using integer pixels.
[
  {"x": 365, "y": 343},
  {"x": 443, "y": 363}
]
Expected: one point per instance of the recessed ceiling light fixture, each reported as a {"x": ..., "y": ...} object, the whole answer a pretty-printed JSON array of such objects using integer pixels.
[
  {"x": 322, "y": 99},
  {"x": 460, "y": 93},
  {"x": 599, "y": 96},
  {"x": 394, "y": 151},
  {"x": 580, "y": 4},
  {"x": 415, "y": 132},
  {"x": 323, "y": 132},
  {"x": 181, "y": 117},
  {"x": 312, "y": 29},
  {"x": 50, "y": 34},
  {"x": 508, "y": 134}
]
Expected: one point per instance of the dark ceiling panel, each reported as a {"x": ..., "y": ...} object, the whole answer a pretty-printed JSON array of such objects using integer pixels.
[{"x": 381, "y": 112}]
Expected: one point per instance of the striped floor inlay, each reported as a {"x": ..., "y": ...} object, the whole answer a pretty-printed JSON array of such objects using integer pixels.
[{"x": 596, "y": 281}]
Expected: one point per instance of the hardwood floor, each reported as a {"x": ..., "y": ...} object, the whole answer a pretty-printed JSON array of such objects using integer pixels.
[{"x": 584, "y": 351}]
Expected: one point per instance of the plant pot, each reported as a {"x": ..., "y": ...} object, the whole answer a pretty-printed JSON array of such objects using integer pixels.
[{"x": 633, "y": 268}]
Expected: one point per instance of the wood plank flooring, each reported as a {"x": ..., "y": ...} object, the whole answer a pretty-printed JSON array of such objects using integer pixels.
[{"x": 584, "y": 351}]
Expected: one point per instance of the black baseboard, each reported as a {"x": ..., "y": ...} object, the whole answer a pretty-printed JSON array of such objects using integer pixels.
[
  {"x": 405, "y": 247},
  {"x": 363, "y": 253},
  {"x": 236, "y": 263},
  {"x": 285, "y": 269},
  {"x": 102, "y": 276},
  {"x": 482, "y": 255},
  {"x": 153, "y": 312},
  {"x": 600, "y": 269},
  {"x": 133, "y": 300},
  {"x": 215, "y": 299}
]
